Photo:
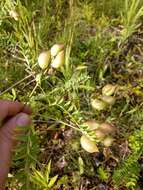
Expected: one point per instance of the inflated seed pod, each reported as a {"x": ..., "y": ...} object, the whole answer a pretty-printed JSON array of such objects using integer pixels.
[
  {"x": 59, "y": 60},
  {"x": 99, "y": 134},
  {"x": 95, "y": 126},
  {"x": 44, "y": 59},
  {"x": 108, "y": 141},
  {"x": 56, "y": 48},
  {"x": 14, "y": 14},
  {"x": 88, "y": 145},
  {"x": 108, "y": 99},
  {"x": 92, "y": 124},
  {"x": 108, "y": 89},
  {"x": 107, "y": 128},
  {"x": 98, "y": 104}
]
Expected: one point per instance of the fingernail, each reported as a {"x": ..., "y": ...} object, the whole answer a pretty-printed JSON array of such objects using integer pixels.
[{"x": 22, "y": 119}]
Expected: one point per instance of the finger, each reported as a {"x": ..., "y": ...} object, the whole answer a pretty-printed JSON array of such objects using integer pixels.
[
  {"x": 6, "y": 142},
  {"x": 9, "y": 108},
  {"x": 27, "y": 109}
]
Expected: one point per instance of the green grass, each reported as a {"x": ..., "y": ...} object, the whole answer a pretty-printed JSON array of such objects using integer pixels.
[{"x": 103, "y": 44}]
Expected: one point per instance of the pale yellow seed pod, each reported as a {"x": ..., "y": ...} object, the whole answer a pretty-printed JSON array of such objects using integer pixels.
[
  {"x": 98, "y": 104},
  {"x": 44, "y": 59},
  {"x": 14, "y": 15},
  {"x": 107, "y": 128},
  {"x": 108, "y": 141},
  {"x": 108, "y": 89},
  {"x": 99, "y": 134},
  {"x": 88, "y": 145},
  {"x": 59, "y": 60},
  {"x": 56, "y": 48},
  {"x": 92, "y": 124},
  {"x": 95, "y": 126},
  {"x": 108, "y": 99}
]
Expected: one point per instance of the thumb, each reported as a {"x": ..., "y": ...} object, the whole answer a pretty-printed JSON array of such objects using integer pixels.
[
  {"x": 6, "y": 142},
  {"x": 8, "y": 129}
]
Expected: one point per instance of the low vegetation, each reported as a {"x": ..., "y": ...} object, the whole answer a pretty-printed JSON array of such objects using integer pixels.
[{"x": 79, "y": 65}]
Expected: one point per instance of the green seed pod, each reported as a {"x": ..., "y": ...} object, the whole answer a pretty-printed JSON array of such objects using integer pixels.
[
  {"x": 88, "y": 145},
  {"x": 44, "y": 59},
  {"x": 59, "y": 60},
  {"x": 56, "y": 48},
  {"x": 108, "y": 141},
  {"x": 108, "y": 89},
  {"x": 98, "y": 104},
  {"x": 14, "y": 15},
  {"x": 108, "y": 99}
]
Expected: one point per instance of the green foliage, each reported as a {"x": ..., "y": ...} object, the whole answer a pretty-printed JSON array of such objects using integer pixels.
[
  {"x": 132, "y": 13},
  {"x": 103, "y": 175},
  {"x": 93, "y": 32},
  {"x": 81, "y": 165},
  {"x": 128, "y": 172},
  {"x": 26, "y": 155},
  {"x": 43, "y": 181},
  {"x": 110, "y": 8}
]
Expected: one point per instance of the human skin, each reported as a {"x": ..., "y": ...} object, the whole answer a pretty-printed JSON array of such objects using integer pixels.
[{"x": 13, "y": 116}]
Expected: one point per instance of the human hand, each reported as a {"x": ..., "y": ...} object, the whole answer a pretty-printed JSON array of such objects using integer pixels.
[{"x": 12, "y": 114}]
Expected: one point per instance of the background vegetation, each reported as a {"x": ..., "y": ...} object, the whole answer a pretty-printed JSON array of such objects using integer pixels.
[{"x": 103, "y": 44}]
